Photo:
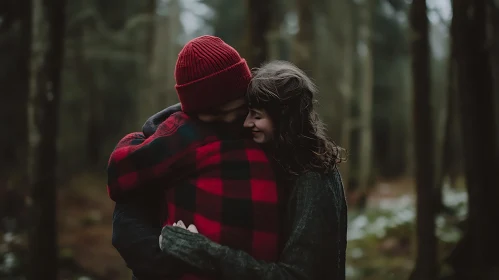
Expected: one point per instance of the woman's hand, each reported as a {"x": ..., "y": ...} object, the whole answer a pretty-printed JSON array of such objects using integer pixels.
[
  {"x": 187, "y": 245},
  {"x": 191, "y": 227}
]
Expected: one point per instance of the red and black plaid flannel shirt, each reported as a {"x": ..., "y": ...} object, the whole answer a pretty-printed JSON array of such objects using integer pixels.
[{"x": 224, "y": 186}]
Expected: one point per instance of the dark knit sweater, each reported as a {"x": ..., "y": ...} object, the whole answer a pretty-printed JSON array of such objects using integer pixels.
[{"x": 315, "y": 249}]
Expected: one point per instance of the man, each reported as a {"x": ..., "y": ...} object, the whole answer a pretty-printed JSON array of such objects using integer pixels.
[{"x": 198, "y": 162}]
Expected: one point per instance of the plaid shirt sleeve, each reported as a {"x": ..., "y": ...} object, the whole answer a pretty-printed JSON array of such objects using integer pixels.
[
  {"x": 137, "y": 161},
  {"x": 136, "y": 229}
]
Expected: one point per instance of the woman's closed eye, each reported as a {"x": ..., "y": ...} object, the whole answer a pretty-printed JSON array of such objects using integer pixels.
[{"x": 255, "y": 114}]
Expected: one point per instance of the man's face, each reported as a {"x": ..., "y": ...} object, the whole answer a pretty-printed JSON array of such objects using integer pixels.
[{"x": 228, "y": 113}]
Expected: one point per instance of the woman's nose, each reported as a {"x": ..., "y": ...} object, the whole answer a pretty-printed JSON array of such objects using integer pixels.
[{"x": 247, "y": 122}]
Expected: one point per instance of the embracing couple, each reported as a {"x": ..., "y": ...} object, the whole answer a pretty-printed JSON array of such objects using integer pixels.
[{"x": 238, "y": 181}]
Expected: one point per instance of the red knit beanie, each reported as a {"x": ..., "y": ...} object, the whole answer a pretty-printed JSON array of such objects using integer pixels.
[{"x": 209, "y": 73}]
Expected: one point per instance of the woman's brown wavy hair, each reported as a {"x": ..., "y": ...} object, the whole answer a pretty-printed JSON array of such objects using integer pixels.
[{"x": 287, "y": 94}]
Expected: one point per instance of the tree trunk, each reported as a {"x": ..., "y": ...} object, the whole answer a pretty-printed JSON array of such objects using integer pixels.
[
  {"x": 426, "y": 260},
  {"x": 303, "y": 47},
  {"x": 159, "y": 81},
  {"x": 147, "y": 100},
  {"x": 365, "y": 76},
  {"x": 441, "y": 116},
  {"x": 162, "y": 82},
  {"x": 174, "y": 30},
  {"x": 259, "y": 24},
  {"x": 334, "y": 44},
  {"x": 475, "y": 256},
  {"x": 344, "y": 82},
  {"x": 443, "y": 113},
  {"x": 87, "y": 81},
  {"x": 452, "y": 146},
  {"x": 494, "y": 41},
  {"x": 45, "y": 88},
  {"x": 14, "y": 79},
  {"x": 409, "y": 153},
  {"x": 275, "y": 38}
]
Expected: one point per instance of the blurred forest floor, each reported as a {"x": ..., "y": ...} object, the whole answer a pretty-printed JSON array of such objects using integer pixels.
[
  {"x": 85, "y": 217},
  {"x": 380, "y": 238}
]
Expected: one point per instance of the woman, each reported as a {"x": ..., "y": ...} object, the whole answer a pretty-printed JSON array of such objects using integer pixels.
[{"x": 283, "y": 119}]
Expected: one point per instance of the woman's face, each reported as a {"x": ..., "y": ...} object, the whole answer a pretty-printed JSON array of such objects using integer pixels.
[{"x": 260, "y": 124}]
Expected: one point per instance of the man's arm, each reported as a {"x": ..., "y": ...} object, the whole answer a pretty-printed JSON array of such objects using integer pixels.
[
  {"x": 136, "y": 224},
  {"x": 136, "y": 228},
  {"x": 311, "y": 252},
  {"x": 138, "y": 161}
]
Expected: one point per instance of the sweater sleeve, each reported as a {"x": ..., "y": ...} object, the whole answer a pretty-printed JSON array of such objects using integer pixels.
[{"x": 315, "y": 249}]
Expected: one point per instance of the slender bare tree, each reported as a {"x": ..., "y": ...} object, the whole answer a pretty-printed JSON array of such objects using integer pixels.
[
  {"x": 426, "y": 260},
  {"x": 48, "y": 21}
]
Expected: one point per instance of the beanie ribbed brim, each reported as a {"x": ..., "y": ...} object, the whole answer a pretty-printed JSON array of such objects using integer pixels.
[{"x": 216, "y": 89}]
